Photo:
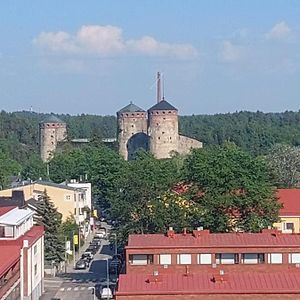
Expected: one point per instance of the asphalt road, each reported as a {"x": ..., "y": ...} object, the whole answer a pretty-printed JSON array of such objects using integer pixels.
[{"x": 80, "y": 284}]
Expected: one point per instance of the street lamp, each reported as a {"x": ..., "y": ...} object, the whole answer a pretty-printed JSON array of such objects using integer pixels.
[{"x": 107, "y": 278}]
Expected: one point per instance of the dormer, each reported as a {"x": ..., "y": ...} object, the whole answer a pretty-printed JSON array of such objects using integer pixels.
[{"x": 15, "y": 222}]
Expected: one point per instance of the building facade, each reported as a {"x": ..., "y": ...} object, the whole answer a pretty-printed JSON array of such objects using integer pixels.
[
  {"x": 22, "y": 255},
  {"x": 67, "y": 199},
  {"x": 204, "y": 265},
  {"x": 51, "y": 131},
  {"x": 155, "y": 131}
]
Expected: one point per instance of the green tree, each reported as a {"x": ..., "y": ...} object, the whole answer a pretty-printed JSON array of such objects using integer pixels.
[
  {"x": 51, "y": 219},
  {"x": 138, "y": 205},
  {"x": 231, "y": 188},
  {"x": 8, "y": 168},
  {"x": 284, "y": 161},
  {"x": 34, "y": 168}
]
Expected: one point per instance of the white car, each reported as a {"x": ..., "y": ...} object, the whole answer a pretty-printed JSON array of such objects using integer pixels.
[{"x": 106, "y": 293}]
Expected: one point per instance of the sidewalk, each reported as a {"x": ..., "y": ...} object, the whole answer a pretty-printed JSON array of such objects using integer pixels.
[{"x": 70, "y": 265}]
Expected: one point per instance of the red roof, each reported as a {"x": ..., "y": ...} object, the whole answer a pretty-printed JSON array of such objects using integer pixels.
[
  {"x": 9, "y": 256},
  {"x": 290, "y": 198},
  {"x": 5, "y": 209},
  {"x": 31, "y": 235},
  {"x": 203, "y": 283},
  {"x": 244, "y": 239}
]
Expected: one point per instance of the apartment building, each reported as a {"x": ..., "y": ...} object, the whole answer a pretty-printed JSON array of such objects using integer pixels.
[
  {"x": 204, "y": 265},
  {"x": 68, "y": 200},
  {"x": 21, "y": 255}
]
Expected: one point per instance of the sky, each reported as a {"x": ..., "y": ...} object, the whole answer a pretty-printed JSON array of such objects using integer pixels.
[{"x": 95, "y": 56}]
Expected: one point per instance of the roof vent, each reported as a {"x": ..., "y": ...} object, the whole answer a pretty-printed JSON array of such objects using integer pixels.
[
  {"x": 221, "y": 277},
  {"x": 202, "y": 232},
  {"x": 154, "y": 278},
  {"x": 171, "y": 232},
  {"x": 25, "y": 244},
  {"x": 200, "y": 228},
  {"x": 184, "y": 231},
  {"x": 155, "y": 273}
]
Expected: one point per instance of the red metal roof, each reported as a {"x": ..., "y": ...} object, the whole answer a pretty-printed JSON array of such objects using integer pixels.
[
  {"x": 31, "y": 235},
  {"x": 290, "y": 198},
  {"x": 8, "y": 257},
  {"x": 244, "y": 239},
  {"x": 202, "y": 283},
  {"x": 5, "y": 209}
]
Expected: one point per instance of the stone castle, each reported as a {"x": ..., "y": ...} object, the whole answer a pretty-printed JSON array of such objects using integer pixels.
[{"x": 155, "y": 131}]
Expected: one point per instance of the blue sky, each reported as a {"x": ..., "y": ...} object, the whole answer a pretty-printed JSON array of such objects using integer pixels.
[{"x": 95, "y": 56}]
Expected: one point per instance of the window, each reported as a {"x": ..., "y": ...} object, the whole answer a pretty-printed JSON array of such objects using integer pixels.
[
  {"x": 68, "y": 197},
  {"x": 294, "y": 258},
  {"x": 35, "y": 249},
  {"x": 141, "y": 259},
  {"x": 253, "y": 258},
  {"x": 275, "y": 258},
  {"x": 288, "y": 226},
  {"x": 165, "y": 259},
  {"x": 74, "y": 211},
  {"x": 204, "y": 259},
  {"x": 35, "y": 269},
  {"x": 227, "y": 258},
  {"x": 184, "y": 259},
  {"x": 9, "y": 231}
]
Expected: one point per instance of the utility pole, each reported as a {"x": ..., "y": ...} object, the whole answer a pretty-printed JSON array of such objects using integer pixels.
[
  {"x": 74, "y": 259},
  {"x": 107, "y": 278},
  {"x": 65, "y": 254},
  {"x": 116, "y": 245}
]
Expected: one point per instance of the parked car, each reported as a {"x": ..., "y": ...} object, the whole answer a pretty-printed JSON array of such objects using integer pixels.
[
  {"x": 86, "y": 256},
  {"x": 89, "y": 253},
  {"x": 106, "y": 293},
  {"x": 81, "y": 265},
  {"x": 91, "y": 249},
  {"x": 117, "y": 257}
]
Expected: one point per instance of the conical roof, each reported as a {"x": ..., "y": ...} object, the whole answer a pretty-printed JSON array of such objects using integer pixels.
[
  {"x": 52, "y": 119},
  {"x": 162, "y": 105},
  {"x": 131, "y": 108}
]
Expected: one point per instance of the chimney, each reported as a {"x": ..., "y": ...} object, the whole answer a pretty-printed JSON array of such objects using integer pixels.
[
  {"x": 187, "y": 271},
  {"x": 184, "y": 231},
  {"x": 171, "y": 232},
  {"x": 25, "y": 244}
]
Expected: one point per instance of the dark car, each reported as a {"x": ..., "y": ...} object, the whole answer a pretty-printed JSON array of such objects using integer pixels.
[
  {"x": 86, "y": 256},
  {"x": 92, "y": 249},
  {"x": 81, "y": 264},
  {"x": 117, "y": 257}
]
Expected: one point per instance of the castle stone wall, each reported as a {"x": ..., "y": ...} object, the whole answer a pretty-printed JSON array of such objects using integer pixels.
[
  {"x": 163, "y": 132},
  {"x": 186, "y": 144}
]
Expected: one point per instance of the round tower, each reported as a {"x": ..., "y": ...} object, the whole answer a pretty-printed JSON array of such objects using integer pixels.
[
  {"x": 51, "y": 131},
  {"x": 163, "y": 129},
  {"x": 132, "y": 130}
]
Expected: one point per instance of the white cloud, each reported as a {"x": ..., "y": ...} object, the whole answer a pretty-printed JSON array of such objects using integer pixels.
[
  {"x": 280, "y": 31},
  {"x": 109, "y": 41},
  {"x": 230, "y": 52}
]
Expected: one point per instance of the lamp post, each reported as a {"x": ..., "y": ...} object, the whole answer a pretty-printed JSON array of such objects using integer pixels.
[{"x": 107, "y": 278}]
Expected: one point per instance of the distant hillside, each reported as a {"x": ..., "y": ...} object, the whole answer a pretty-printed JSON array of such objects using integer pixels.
[{"x": 253, "y": 131}]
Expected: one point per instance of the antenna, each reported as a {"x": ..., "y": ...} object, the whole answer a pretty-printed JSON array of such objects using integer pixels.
[
  {"x": 158, "y": 88},
  {"x": 163, "y": 86}
]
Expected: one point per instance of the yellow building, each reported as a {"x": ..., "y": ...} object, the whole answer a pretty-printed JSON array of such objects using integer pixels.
[
  {"x": 68, "y": 200},
  {"x": 290, "y": 212}
]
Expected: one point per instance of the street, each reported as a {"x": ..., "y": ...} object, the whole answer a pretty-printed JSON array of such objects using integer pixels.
[{"x": 81, "y": 284}]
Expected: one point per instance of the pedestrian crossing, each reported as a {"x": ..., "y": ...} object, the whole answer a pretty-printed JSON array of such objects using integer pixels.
[{"x": 76, "y": 289}]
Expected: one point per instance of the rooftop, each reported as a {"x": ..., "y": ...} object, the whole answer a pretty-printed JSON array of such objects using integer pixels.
[
  {"x": 290, "y": 198},
  {"x": 268, "y": 238},
  {"x": 203, "y": 283},
  {"x": 52, "y": 119},
  {"x": 6, "y": 209},
  {"x": 9, "y": 256},
  {"x": 131, "y": 108},
  {"x": 162, "y": 105},
  {"x": 16, "y": 216},
  {"x": 31, "y": 235}
]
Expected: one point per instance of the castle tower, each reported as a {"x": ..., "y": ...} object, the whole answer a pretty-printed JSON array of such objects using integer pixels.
[
  {"x": 132, "y": 130},
  {"x": 51, "y": 131},
  {"x": 163, "y": 129}
]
